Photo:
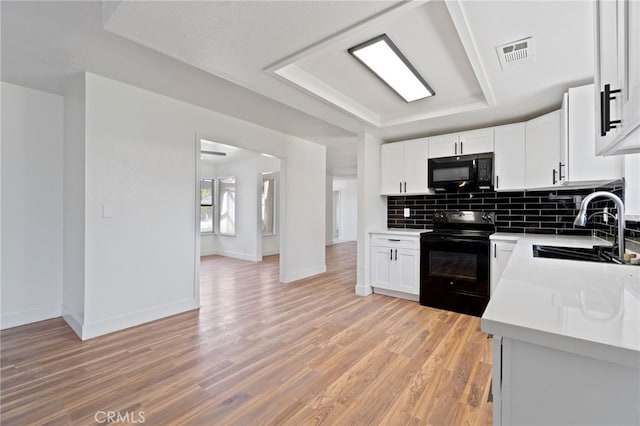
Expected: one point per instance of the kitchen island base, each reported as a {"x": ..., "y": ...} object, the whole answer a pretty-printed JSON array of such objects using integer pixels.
[{"x": 537, "y": 385}]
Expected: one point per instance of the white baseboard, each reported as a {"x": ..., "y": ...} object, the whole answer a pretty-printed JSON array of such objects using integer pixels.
[
  {"x": 72, "y": 320},
  {"x": 238, "y": 255},
  {"x": 398, "y": 294},
  {"x": 364, "y": 290},
  {"x": 109, "y": 325},
  {"x": 232, "y": 254},
  {"x": 270, "y": 252},
  {"x": 29, "y": 316},
  {"x": 305, "y": 273}
]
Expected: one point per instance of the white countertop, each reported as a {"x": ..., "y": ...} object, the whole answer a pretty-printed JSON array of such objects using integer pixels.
[
  {"x": 400, "y": 231},
  {"x": 587, "y": 308}
]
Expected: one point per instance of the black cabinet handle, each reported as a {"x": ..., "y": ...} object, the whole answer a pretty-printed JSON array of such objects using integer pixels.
[
  {"x": 455, "y": 148},
  {"x": 400, "y": 186},
  {"x": 554, "y": 176},
  {"x": 497, "y": 182},
  {"x": 560, "y": 165},
  {"x": 603, "y": 114},
  {"x": 394, "y": 240},
  {"x": 606, "y": 123},
  {"x": 494, "y": 250},
  {"x": 396, "y": 254},
  {"x": 390, "y": 254},
  {"x": 461, "y": 147},
  {"x": 405, "y": 187}
]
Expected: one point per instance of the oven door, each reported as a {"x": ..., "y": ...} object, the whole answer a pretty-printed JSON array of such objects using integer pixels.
[{"x": 454, "y": 273}]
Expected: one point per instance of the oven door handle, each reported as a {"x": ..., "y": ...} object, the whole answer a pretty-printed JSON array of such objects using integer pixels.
[{"x": 456, "y": 240}]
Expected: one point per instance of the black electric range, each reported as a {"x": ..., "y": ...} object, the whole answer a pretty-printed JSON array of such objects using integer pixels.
[{"x": 454, "y": 261}]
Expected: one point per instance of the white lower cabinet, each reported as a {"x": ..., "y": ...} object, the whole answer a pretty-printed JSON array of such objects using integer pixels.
[
  {"x": 500, "y": 253},
  {"x": 538, "y": 385},
  {"x": 395, "y": 264}
]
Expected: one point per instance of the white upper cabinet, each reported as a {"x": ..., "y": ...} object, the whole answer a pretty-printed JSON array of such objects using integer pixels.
[
  {"x": 404, "y": 167},
  {"x": 631, "y": 186},
  {"x": 542, "y": 147},
  {"x": 392, "y": 168},
  {"x": 444, "y": 145},
  {"x": 578, "y": 162},
  {"x": 469, "y": 142},
  {"x": 617, "y": 76},
  {"x": 509, "y": 157},
  {"x": 476, "y": 141}
]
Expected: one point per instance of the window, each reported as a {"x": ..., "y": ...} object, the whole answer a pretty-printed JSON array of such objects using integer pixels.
[
  {"x": 227, "y": 205},
  {"x": 268, "y": 206},
  {"x": 206, "y": 205}
]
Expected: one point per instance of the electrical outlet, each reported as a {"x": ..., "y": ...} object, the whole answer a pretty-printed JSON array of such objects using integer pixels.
[{"x": 407, "y": 212}]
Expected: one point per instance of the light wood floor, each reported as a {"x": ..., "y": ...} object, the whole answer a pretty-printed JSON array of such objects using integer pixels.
[{"x": 258, "y": 352}]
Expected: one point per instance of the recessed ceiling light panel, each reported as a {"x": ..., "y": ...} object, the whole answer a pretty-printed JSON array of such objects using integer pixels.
[{"x": 386, "y": 61}]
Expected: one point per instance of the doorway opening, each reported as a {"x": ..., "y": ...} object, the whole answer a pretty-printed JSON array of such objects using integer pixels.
[{"x": 240, "y": 197}]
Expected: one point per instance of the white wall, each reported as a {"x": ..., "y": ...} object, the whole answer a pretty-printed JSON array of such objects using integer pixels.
[
  {"x": 348, "y": 209},
  {"x": 372, "y": 207},
  {"x": 129, "y": 154},
  {"x": 271, "y": 243},
  {"x": 32, "y": 176},
  {"x": 302, "y": 241},
  {"x": 208, "y": 241},
  {"x": 246, "y": 244},
  {"x": 73, "y": 288},
  {"x": 329, "y": 210},
  {"x": 141, "y": 162}
]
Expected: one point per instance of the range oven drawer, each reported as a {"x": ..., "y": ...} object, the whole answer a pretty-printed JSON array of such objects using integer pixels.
[{"x": 464, "y": 303}]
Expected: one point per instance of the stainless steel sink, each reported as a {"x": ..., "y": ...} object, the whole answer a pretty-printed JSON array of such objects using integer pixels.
[{"x": 591, "y": 254}]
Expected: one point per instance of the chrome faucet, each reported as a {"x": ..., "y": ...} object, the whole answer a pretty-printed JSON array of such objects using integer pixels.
[{"x": 581, "y": 218}]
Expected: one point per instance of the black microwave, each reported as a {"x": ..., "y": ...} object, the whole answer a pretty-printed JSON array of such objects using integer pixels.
[{"x": 461, "y": 173}]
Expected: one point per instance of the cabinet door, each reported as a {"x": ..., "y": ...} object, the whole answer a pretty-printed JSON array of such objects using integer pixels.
[
  {"x": 500, "y": 254},
  {"x": 542, "y": 148},
  {"x": 476, "y": 141},
  {"x": 415, "y": 165},
  {"x": 632, "y": 183},
  {"x": 381, "y": 267},
  {"x": 509, "y": 157},
  {"x": 443, "y": 145},
  {"x": 405, "y": 276},
  {"x": 607, "y": 72},
  {"x": 581, "y": 163},
  {"x": 391, "y": 173},
  {"x": 629, "y": 62}
]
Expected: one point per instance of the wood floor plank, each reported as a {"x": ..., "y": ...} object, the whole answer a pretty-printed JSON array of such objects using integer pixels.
[{"x": 258, "y": 352}]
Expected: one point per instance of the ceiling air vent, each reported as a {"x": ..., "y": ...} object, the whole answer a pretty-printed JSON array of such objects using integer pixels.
[{"x": 516, "y": 52}]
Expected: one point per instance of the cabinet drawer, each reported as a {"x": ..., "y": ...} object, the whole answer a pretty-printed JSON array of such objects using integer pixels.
[{"x": 396, "y": 241}]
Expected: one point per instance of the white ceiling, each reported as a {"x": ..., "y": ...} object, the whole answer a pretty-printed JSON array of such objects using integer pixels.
[{"x": 225, "y": 55}]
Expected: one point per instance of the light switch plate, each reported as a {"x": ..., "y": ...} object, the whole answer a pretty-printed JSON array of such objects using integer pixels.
[{"x": 407, "y": 212}]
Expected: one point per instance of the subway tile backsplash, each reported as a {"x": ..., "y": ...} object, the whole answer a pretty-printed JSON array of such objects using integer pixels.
[{"x": 539, "y": 212}]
